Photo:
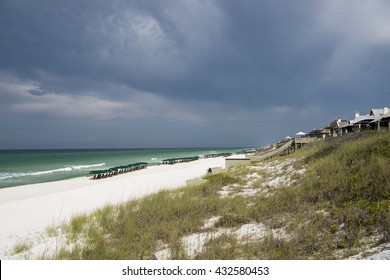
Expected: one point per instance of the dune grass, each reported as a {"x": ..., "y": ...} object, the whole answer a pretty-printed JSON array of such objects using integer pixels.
[
  {"x": 340, "y": 205},
  {"x": 21, "y": 247}
]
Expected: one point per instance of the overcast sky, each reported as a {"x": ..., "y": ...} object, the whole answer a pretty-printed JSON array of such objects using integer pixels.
[{"x": 189, "y": 73}]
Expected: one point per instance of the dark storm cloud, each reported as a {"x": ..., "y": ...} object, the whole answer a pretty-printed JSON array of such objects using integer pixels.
[
  {"x": 239, "y": 66},
  {"x": 192, "y": 51}
]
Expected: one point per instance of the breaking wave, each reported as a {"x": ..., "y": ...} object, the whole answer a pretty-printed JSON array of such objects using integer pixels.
[
  {"x": 4, "y": 176},
  {"x": 78, "y": 167}
]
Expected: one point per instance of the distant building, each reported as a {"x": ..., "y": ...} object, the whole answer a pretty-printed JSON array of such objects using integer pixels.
[
  {"x": 316, "y": 133},
  {"x": 334, "y": 128}
]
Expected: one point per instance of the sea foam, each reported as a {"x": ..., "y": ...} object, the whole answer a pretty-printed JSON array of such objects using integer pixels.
[{"x": 78, "y": 167}]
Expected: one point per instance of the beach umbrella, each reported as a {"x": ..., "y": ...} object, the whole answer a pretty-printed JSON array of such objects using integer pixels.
[
  {"x": 95, "y": 172},
  {"x": 113, "y": 169},
  {"x": 168, "y": 160},
  {"x": 300, "y": 133}
]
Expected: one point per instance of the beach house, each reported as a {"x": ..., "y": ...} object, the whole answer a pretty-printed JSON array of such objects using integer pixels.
[
  {"x": 316, "y": 133},
  {"x": 334, "y": 128},
  {"x": 381, "y": 119},
  {"x": 359, "y": 123}
]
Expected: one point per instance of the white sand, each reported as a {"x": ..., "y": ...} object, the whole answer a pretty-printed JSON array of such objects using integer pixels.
[{"x": 28, "y": 210}]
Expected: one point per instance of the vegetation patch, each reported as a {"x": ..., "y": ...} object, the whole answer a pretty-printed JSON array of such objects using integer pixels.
[
  {"x": 21, "y": 247},
  {"x": 323, "y": 202}
]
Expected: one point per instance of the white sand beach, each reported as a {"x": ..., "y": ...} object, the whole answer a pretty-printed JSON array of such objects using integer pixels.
[{"x": 26, "y": 211}]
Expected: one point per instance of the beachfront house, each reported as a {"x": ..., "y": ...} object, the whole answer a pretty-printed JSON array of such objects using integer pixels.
[
  {"x": 334, "y": 128},
  {"x": 316, "y": 133},
  {"x": 385, "y": 122},
  {"x": 359, "y": 123},
  {"x": 381, "y": 119}
]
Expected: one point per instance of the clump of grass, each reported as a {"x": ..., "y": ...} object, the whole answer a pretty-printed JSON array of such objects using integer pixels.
[
  {"x": 217, "y": 181},
  {"x": 272, "y": 249},
  {"x": 21, "y": 247},
  {"x": 52, "y": 231},
  {"x": 225, "y": 247}
]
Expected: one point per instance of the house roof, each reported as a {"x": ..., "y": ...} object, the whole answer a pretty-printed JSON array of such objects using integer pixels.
[
  {"x": 377, "y": 112},
  {"x": 315, "y": 131},
  {"x": 338, "y": 123},
  {"x": 383, "y": 116},
  {"x": 347, "y": 125},
  {"x": 362, "y": 118}
]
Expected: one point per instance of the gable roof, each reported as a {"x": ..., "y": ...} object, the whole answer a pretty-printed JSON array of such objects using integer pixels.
[
  {"x": 383, "y": 116},
  {"x": 315, "y": 131},
  {"x": 362, "y": 118},
  {"x": 338, "y": 123},
  {"x": 376, "y": 112}
]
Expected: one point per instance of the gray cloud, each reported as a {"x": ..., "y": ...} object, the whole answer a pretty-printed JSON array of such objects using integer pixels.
[
  {"x": 263, "y": 68},
  {"x": 37, "y": 92}
]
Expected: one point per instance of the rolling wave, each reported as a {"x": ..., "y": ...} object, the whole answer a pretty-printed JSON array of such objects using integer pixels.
[
  {"x": 4, "y": 176},
  {"x": 78, "y": 167}
]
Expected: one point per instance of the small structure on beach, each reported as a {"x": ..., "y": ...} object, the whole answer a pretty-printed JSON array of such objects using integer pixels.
[
  {"x": 236, "y": 160},
  {"x": 100, "y": 174},
  {"x": 179, "y": 160},
  {"x": 214, "y": 155}
]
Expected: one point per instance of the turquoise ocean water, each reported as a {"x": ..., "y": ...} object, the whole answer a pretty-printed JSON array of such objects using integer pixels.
[{"x": 21, "y": 167}]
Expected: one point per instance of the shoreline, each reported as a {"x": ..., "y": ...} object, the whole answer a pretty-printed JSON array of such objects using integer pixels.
[
  {"x": 24, "y": 167},
  {"x": 28, "y": 210}
]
